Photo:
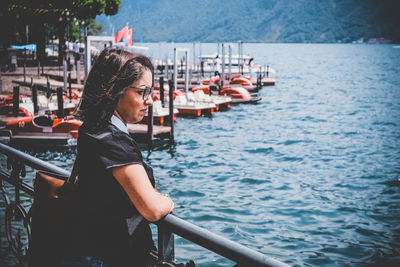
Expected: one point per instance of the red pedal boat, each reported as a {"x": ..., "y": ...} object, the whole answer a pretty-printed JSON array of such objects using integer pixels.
[
  {"x": 240, "y": 95},
  {"x": 44, "y": 129}
]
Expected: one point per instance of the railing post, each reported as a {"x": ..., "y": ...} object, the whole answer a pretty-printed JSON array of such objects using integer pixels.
[
  {"x": 166, "y": 246},
  {"x": 17, "y": 170}
]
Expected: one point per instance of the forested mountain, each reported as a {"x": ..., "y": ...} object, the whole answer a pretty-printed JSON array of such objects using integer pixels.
[{"x": 257, "y": 20}]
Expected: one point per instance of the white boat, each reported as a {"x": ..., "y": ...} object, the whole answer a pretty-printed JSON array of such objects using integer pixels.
[
  {"x": 208, "y": 62},
  {"x": 187, "y": 104}
]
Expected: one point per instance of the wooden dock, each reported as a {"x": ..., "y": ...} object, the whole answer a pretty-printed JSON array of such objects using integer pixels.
[
  {"x": 43, "y": 83},
  {"x": 140, "y": 134},
  {"x": 195, "y": 110},
  {"x": 268, "y": 81},
  {"x": 141, "y": 129}
]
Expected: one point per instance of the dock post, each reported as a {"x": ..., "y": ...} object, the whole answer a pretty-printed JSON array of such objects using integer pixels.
[
  {"x": 78, "y": 71},
  {"x": 181, "y": 72},
  {"x": 190, "y": 77},
  {"x": 201, "y": 61},
  {"x": 69, "y": 86},
  {"x": 267, "y": 71},
  {"x": 166, "y": 67},
  {"x": 222, "y": 76},
  {"x": 65, "y": 74},
  {"x": 35, "y": 99},
  {"x": 150, "y": 121},
  {"x": 162, "y": 90},
  {"x": 175, "y": 73},
  {"x": 171, "y": 109},
  {"x": 24, "y": 65},
  {"x": 194, "y": 58},
  {"x": 60, "y": 102},
  {"x": 16, "y": 100},
  {"x": 241, "y": 56},
  {"x": 230, "y": 62},
  {"x": 48, "y": 91},
  {"x": 24, "y": 70},
  {"x": 238, "y": 59},
  {"x": 38, "y": 68},
  {"x": 186, "y": 72},
  {"x": 150, "y": 127}
]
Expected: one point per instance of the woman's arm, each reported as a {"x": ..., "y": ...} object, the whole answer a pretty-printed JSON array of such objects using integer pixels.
[{"x": 152, "y": 205}]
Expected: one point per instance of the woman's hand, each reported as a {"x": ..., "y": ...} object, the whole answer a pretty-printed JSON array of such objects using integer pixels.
[
  {"x": 173, "y": 204},
  {"x": 151, "y": 204}
]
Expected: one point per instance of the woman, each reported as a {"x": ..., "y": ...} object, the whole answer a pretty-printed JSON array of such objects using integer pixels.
[{"x": 116, "y": 195}]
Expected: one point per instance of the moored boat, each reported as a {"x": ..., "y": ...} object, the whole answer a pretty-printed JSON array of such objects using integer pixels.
[
  {"x": 221, "y": 102},
  {"x": 160, "y": 113},
  {"x": 240, "y": 95},
  {"x": 187, "y": 105},
  {"x": 44, "y": 129},
  {"x": 239, "y": 80}
]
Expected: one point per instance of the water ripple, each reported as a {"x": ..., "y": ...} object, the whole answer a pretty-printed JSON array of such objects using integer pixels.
[{"x": 310, "y": 175}]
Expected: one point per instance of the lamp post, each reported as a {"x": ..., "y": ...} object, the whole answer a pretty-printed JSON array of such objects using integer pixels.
[
  {"x": 87, "y": 49},
  {"x": 84, "y": 29}
]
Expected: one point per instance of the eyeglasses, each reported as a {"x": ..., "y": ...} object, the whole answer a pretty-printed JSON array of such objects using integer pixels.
[{"x": 145, "y": 92}]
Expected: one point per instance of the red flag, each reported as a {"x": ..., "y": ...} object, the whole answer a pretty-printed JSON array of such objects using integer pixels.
[
  {"x": 121, "y": 34},
  {"x": 130, "y": 42}
]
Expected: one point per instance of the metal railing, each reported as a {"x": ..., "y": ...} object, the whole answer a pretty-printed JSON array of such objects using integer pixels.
[{"x": 167, "y": 227}]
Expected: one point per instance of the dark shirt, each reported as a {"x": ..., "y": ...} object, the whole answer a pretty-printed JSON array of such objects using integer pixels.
[{"x": 107, "y": 225}]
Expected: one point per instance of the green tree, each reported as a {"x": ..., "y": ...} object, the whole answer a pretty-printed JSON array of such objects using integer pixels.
[
  {"x": 42, "y": 14},
  {"x": 77, "y": 28}
]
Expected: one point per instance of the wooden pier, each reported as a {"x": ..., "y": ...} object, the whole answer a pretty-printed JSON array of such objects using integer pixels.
[
  {"x": 140, "y": 132},
  {"x": 141, "y": 129},
  {"x": 43, "y": 83},
  {"x": 43, "y": 139}
]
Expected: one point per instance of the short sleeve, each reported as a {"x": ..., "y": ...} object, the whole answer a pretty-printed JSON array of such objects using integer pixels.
[{"x": 118, "y": 149}]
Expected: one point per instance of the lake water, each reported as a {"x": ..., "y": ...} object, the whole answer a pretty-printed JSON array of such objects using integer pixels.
[{"x": 310, "y": 175}]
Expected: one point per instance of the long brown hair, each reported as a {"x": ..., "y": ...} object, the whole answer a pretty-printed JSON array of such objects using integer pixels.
[{"x": 113, "y": 71}]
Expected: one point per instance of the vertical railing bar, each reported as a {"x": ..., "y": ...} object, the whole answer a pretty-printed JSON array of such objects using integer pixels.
[{"x": 166, "y": 247}]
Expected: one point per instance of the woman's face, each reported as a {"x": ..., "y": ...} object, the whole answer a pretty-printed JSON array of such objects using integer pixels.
[{"x": 131, "y": 107}]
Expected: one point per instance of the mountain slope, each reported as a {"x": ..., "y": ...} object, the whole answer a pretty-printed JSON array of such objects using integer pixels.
[{"x": 257, "y": 20}]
